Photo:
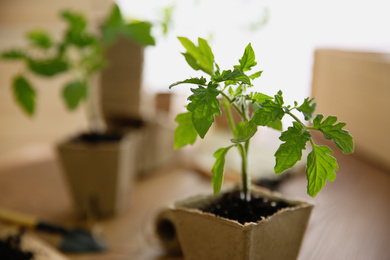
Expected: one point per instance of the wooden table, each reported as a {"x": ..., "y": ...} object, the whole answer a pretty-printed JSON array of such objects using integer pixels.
[{"x": 350, "y": 219}]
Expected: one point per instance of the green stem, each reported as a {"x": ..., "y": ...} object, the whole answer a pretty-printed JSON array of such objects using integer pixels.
[
  {"x": 229, "y": 115},
  {"x": 91, "y": 107},
  {"x": 242, "y": 149},
  {"x": 235, "y": 106},
  {"x": 244, "y": 171},
  {"x": 295, "y": 118},
  {"x": 312, "y": 142}
]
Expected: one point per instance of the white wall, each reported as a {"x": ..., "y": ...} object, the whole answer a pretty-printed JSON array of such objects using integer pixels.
[{"x": 284, "y": 46}]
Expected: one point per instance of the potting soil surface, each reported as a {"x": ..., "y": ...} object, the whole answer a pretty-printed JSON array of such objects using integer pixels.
[
  {"x": 95, "y": 138},
  {"x": 233, "y": 207}
]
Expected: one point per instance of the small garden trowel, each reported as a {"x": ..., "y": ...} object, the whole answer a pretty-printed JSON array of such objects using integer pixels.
[{"x": 73, "y": 240}]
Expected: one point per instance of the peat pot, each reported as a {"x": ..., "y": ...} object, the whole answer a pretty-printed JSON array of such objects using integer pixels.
[
  {"x": 99, "y": 172},
  {"x": 206, "y": 236}
]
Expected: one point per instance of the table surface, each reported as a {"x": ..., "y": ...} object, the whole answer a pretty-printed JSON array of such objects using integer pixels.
[{"x": 349, "y": 221}]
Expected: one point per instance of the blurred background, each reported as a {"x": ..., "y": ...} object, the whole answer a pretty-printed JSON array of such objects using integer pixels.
[
  {"x": 284, "y": 35},
  {"x": 337, "y": 51}
]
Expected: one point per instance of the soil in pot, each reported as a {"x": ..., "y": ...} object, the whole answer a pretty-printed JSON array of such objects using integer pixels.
[
  {"x": 96, "y": 138},
  {"x": 233, "y": 207},
  {"x": 10, "y": 249}
]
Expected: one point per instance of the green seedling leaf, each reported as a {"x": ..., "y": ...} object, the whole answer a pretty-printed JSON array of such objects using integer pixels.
[
  {"x": 48, "y": 67},
  {"x": 235, "y": 75},
  {"x": 115, "y": 17},
  {"x": 269, "y": 111},
  {"x": 13, "y": 55},
  {"x": 24, "y": 94},
  {"x": 277, "y": 125},
  {"x": 185, "y": 132},
  {"x": 40, "y": 39},
  {"x": 248, "y": 59},
  {"x": 115, "y": 26},
  {"x": 290, "y": 152},
  {"x": 76, "y": 21},
  {"x": 279, "y": 98},
  {"x": 256, "y": 75},
  {"x": 308, "y": 108},
  {"x": 199, "y": 58},
  {"x": 140, "y": 32},
  {"x": 192, "y": 61},
  {"x": 334, "y": 132},
  {"x": 204, "y": 105},
  {"x": 321, "y": 166},
  {"x": 244, "y": 131},
  {"x": 198, "y": 81},
  {"x": 218, "y": 168},
  {"x": 167, "y": 20},
  {"x": 260, "y": 97},
  {"x": 76, "y": 33},
  {"x": 73, "y": 93}
]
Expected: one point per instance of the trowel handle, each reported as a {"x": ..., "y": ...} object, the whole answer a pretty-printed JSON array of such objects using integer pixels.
[
  {"x": 29, "y": 221},
  {"x": 18, "y": 218}
]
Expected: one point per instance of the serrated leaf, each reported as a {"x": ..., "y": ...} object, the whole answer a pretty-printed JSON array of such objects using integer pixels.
[
  {"x": 197, "y": 81},
  {"x": 24, "y": 94},
  {"x": 207, "y": 60},
  {"x": 277, "y": 125},
  {"x": 308, "y": 108},
  {"x": 199, "y": 58},
  {"x": 73, "y": 93},
  {"x": 218, "y": 169},
  {"x": 185, "y": 132},
  {"x": 235, "y": 75},
  {"x": 321, "y": 166},
  {"x": 191, "y": 61},
  {"x": 248, "y": 59},
  {"x": 334, "y": 132},
  {"x": 13, "y": 55},
  {"x": 204, "y": 105},
  {"x": 290, "y": 152},
  {"x": 48, "y": 67},
  {"x": 279, "y": 98},
  {"x": 40, "y": 38},
  {"x": 244, "y": 131},
  {"x": 256, "y": 75},
  {"x": 269, "y": 112},
  {"x": 260, "y": 97}
]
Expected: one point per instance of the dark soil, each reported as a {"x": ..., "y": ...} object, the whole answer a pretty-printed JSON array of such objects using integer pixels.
[
  {"x": 10, "y": 249},
  {"x": 231, "y": 206},
  {"x": 96, "y": 138},
  {"x": 125, "y": 122}
]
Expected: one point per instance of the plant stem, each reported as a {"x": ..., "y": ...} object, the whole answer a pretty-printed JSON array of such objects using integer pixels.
[
  {"x": 297, "y": 119},
  {"x": 244, "y": 172},
  {"x": 235, "y": 106},
  {"x": 92, "y": 115},
  {"x": 229, "y": 116},
  {"x": 243, "y": 149}
]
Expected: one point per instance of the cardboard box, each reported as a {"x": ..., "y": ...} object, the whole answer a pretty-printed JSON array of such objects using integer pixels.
[{"x": 355, "y": 86}]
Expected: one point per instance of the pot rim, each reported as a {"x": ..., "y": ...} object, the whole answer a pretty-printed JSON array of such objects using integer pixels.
[{"x": 192, "y": 204}]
